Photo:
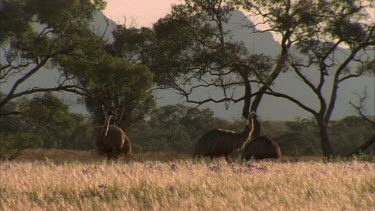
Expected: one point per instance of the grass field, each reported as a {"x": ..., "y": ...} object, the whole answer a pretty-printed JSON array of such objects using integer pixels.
[{"x": 186, "y": 184}]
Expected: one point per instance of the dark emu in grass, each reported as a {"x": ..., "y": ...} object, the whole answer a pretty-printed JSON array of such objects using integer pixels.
[
  {"x": 261, "y": 148},
  {"x": 219, "y": 142},
  {"x": 112, "y": 140}
]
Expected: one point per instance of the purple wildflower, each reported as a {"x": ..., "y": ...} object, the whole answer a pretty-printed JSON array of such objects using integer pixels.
[
  {"x": 215, "y": 168},
  {"x": 174, "y": 165},
  {"x": 7, "y": 166},
  {"x": 103, "y": 186}
]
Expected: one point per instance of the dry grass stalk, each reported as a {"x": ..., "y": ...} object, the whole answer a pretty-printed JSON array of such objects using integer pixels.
[{"x": 186, "y": 185}]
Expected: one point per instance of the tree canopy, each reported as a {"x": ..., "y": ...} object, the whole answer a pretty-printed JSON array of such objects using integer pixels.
[{"x": 34, "y": 33}]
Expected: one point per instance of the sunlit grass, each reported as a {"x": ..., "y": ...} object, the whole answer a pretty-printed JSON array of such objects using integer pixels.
[{"x": 187, "y": 185}]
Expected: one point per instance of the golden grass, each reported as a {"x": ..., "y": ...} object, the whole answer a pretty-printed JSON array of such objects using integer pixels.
[
  {"x": 187, "y": 185},
  {"x": 78, "y": 155}
]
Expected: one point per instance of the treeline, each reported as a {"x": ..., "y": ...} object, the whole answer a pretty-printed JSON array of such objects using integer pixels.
[{"x": 46, "y": 122}]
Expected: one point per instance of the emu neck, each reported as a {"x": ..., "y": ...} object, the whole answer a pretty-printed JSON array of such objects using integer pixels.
[
  {"x": 107, "y": 126},
  {"x": 246, "y": 134}
]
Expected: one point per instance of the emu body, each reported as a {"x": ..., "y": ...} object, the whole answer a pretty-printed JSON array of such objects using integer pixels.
[
  {"x": 219, "y": 142},
  {"x": 261, "y": 148},
  {"x": 112, "y": 141}
]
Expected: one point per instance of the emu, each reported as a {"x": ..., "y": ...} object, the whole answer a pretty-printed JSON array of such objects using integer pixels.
[
  {"x": 112, "y": 140},
  {"x": 261, "y": 148},
  {"x": 219, "y": 142}
]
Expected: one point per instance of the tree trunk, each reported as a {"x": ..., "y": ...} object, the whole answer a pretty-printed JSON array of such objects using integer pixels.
[
  {"x": 326, "y": 144},
  {"x": 275, "y": 73},
  {"x": 247, "y": 99}
]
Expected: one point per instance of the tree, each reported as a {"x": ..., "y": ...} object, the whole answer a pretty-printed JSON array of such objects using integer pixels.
[
  {"x": 33, "y": 33},
  {"x": 311, "y": 35},
  {"x": 15, "y": 133},
  {"x": 360, "y": 110},
  {"x": 42, "y": 121},
  {"x": 318, "y": 29},
  {"x": 109, "y": 81},
  {"x": 57, "y": 36},
  {"x": 82, "y": 135},
  {"x": 190, "y": 51},
  {"x": 173, "y": 128},
  {"x": 50, "y": 119}
]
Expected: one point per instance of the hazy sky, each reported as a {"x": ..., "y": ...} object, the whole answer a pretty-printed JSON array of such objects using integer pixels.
[
  {"x": 147, "y": 12},
  {"x": 144, "y": 12}
]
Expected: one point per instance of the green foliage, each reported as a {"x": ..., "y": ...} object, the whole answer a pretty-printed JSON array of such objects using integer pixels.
[
  {"x": 11, "y": 15},
  {"x": 318, "y": 29},
  {"x": 116, "y": 84},
  {"x": 12, "y": 144},
  {"x": 57, "y": 34},
  {"x": 107, "y": 79},
  {"x": 366, "y": 157},
  {"x": 47, "y": 122},
  {"x": 369, "y": 157},
  {"x": 301, "y": 137},
  {"x": 190, "y": 50},
  {"x": 369, "y": 67},
  {"x": 50, "y": 118},
  {"x": 177, "y": 128},
  {"x": 173, "y": 128},
  {"x": 44, "y": 121},
  {"x": 15, "y": 133},
  {"x": 350, "y": 133},
  {"x": 60, "y": 21},
  {"x": 130, "y": 43},
  {"x": 35, "y": 33}
]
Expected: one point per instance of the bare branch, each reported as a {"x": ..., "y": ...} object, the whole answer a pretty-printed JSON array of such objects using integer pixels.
[
  {"x": 361, "y": 106},
  {"x": 292, "y": 99}
]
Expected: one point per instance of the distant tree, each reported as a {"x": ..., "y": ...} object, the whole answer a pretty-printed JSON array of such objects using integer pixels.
[
  {"x": 360, "y": 109},
  {"x": 173, "y": 128},
  {"x": 301, "y": 137},
  {"x": 192, "y": 119},
  {"x": 83, "y": 136},
  {"x": 43, "y": 121},
  {"x": 33, "y": 33},
  {"x": 50, "y": 119},
  {"x": 15, "y": 132}
]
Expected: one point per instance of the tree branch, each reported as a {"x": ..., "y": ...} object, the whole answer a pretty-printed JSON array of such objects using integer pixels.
[{"x": 292, "y": 99}]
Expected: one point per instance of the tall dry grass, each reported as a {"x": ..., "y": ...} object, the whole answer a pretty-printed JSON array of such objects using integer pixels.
[{"x": 187, "y": 185}]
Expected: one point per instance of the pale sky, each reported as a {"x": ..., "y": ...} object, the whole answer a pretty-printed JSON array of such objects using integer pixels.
[
  {"x": 147, "y": 12},
  {"x": 144, "y": 12},
  {"x": 140, "y": 13}
]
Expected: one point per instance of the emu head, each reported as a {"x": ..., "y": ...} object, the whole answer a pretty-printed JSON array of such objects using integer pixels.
[
  {"x": 252, "y": 115},
  {"x": 249, "y": 125}
]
